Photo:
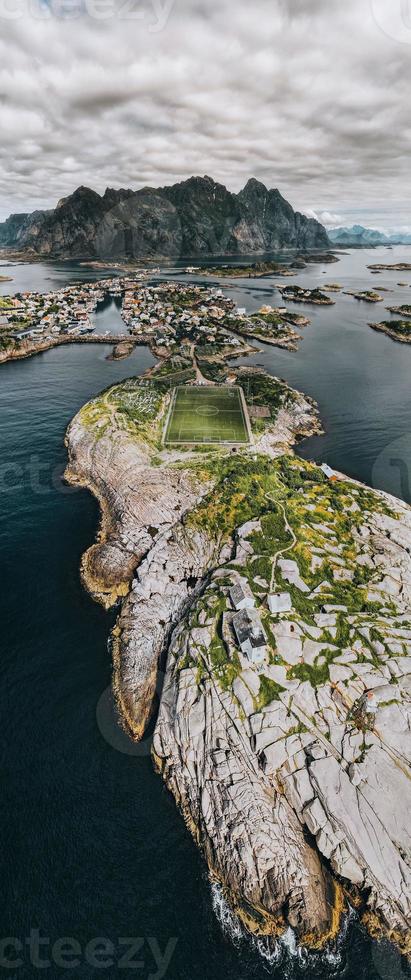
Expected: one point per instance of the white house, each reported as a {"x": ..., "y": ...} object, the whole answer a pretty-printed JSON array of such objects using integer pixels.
[
  {"x": 279, "y": 602},
  {"x": 250, "y": 635}
]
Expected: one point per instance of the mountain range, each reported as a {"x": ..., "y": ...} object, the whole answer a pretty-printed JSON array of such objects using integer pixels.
[
  {"x": 360, "y": 236},
  {"x": 197, "y": 217}
]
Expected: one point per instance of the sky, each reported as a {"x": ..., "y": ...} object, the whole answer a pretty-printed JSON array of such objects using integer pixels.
[{"x": 310, "y": 96}]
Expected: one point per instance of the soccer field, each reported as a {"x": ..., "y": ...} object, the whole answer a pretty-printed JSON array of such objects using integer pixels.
[{"x": 207, "y": 415}]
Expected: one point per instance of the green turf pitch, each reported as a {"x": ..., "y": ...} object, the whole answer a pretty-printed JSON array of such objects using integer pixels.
[{"x": 207, "y": 415}]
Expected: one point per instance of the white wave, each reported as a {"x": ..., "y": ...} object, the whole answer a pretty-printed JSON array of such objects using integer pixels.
[
  {"x": 285, "y": 950},
  {"x": 289, "y": 941},
  {"x": 269, "y": 950},
  {"x": 229, "y": 922}
]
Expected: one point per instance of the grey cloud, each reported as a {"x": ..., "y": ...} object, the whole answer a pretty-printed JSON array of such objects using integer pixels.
[{"x": 304, "y": 94}]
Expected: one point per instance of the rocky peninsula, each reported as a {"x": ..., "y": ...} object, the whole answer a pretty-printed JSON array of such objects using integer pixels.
[
  {"x": 292, "y": 770},
  {"x": 399, "y": 330}
]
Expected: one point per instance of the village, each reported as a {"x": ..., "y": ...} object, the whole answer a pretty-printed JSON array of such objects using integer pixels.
[
  {"x": 67, "y": 311},
  {"x": 162, "y": 314},
  {"x": 169, "y": 313}
]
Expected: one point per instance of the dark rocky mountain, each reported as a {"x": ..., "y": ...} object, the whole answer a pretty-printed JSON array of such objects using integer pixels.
[
  {"x": 197, "y": 217},
  {"x": 144, "y": 225},
  {"x": 208, "y": 214}
]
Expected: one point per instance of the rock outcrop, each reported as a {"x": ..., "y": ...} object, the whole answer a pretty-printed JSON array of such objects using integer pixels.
[
  {"x": 252, "y": 839},
  {"x": 312, "y": 773}
]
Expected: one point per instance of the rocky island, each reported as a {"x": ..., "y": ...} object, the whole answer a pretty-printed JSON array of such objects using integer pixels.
[
  {"x": 276, "y": 596},
  {"x": 261, "y": 270},
  {"x": 399, "y": 330},
  {"x": 298, "y": 294},
  {"x": 403, "y": 310},
  {"x": 254, "y": 270},
  {"x": 367, "y": 295},
  {"x": 387, "y": 267}
]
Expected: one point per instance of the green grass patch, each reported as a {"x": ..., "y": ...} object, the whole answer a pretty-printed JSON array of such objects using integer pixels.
[
  {"x": 269, "y": 692},
  {"x": 207, "y": 415}
]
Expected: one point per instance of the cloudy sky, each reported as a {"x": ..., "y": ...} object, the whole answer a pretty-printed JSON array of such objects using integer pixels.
[{"x": 311, "y": 96}]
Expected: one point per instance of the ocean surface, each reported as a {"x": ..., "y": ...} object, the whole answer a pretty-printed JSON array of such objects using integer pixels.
[{"x": 92, "y": 846}]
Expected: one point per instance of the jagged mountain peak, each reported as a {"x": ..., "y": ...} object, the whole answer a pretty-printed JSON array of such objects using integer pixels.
[
  {"x": 254, "y": 186},
  {"x": 80, "y": 194},
  {"x": 198, "y": 216}
]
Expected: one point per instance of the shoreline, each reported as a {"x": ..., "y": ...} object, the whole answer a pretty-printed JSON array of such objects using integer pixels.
[{"x": 18, "y": 354}]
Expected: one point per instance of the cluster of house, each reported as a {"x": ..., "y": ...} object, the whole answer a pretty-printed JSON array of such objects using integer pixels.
[
  {"x": 43, "y": 316},
  {"x": 291, "y": 292},
  {"x": 170, "y": 312},
  {"x": 247, "y": 624},
  {"x": 165, "y": 313}
]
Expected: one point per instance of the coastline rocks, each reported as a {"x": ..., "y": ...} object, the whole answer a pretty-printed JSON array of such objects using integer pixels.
[
  {"x": 137, "y": 501},
  {"x": 250, "y": 835},
  {"x": 161, "y": 591},
  {"x": 122, "y": 350},
  {"x": 334, "y": 759}
]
